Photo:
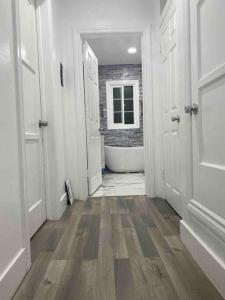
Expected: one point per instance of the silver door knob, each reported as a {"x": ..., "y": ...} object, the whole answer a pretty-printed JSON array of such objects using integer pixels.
[
  {"x": 194, "y": 108},
  {"x": 188, "y": 109},
  {"x": 43, "y": 123},
  {"x": 176, "y": 119},
  {"x": 191, "y": 109}
]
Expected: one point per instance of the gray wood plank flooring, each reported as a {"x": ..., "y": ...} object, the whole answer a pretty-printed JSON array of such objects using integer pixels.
[{"x": 114, "y": 248}]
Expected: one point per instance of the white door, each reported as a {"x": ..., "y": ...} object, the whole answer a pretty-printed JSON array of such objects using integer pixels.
[
  {"x": 32, "y": 116},
  {"x": 171, "y": 107},
  {"x": 208, "y": 92},
  {"x": 92, "y": 119}
]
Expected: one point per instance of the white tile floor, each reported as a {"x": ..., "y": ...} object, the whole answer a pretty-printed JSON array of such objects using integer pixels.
[{"x": 124, "y": 184}]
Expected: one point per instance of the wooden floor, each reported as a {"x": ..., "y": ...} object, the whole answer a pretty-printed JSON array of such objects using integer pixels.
[{"x": 110, "y": 248}]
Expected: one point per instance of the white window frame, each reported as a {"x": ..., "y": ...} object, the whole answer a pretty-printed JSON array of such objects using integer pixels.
[{"x": 110, "y": 112}]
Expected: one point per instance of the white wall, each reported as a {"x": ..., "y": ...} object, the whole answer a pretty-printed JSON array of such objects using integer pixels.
[
  {"x": 69, "y": 111},
  {"x": 110, "y": 13},
  {"x": 94, "y": 14},
  {"x": 63, "y": 140},
  {"x": 60, "y": 108},
  {"x": 14, "y": 249},
  {"x": 58, "y": 122},
  {"x": 71, "y": 114}
]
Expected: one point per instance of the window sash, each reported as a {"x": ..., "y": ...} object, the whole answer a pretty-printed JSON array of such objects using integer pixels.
[
  {"x": 132, "y": 110},
  {"x": 123, "y": 100}
]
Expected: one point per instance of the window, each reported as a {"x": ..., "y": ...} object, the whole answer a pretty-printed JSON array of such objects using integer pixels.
[{"x": 122, "y": 104}]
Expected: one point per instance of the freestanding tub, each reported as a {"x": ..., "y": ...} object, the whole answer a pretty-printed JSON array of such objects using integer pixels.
[{"x": 124, "y": 159}]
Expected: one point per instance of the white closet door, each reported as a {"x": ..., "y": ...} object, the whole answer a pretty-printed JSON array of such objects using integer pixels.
[
  {"x": 32, "y": 115},
  {"x": 171, "y": 108},
  {"x": 208, "y": 93}
]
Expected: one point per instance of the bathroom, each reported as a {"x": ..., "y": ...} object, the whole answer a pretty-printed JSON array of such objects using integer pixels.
[{"x": 121, "y": 113}]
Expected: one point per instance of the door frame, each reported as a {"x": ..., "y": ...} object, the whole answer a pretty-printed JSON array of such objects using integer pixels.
[
  {"x": 42, "y": 48},
  {"x": 147, "y": 77},
  {"x": 185, "y": 94},
  {"x": 21, "y": 130}
]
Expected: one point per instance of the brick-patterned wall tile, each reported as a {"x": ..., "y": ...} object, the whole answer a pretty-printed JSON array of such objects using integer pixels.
[{"x": 120, "y": 137}]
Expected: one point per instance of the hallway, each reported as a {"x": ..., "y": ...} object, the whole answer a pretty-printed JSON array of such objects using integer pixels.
[
  {"x": 126, "y": 86},
  {"x": 114, "y": 248}
]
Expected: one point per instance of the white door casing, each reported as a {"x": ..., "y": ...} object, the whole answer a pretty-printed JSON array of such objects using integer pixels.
[
  {"x": 171, "y": 108},
  {"x": 32, "y": 114},
  {"x": 208, "y": 92},
  {"x": 92, "y": 119},
  {"x": 149, "y": 58}
]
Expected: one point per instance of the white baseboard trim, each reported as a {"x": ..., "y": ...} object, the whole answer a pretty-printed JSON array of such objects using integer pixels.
[
  {"x": 208, "y": 218},
  {"x": 62, "y": 205},
  {"x": 12, "y": 276},
  {"x": 205, "y": 257}
]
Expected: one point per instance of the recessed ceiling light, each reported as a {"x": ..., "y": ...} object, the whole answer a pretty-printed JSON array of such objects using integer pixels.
[{"x": 132, "y": 50}]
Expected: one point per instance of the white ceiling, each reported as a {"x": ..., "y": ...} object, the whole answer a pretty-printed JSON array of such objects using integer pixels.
[{"x": 112, "y": 49}]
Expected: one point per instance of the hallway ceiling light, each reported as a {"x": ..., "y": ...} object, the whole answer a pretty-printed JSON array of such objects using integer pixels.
[{"x": 132, "y": 50}]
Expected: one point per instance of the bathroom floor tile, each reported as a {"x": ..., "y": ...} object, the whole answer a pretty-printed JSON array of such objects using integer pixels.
[{"x": 123, "y": 184}]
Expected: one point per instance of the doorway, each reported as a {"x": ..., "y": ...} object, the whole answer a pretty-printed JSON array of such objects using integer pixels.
[{"x": 114, "y": 114}]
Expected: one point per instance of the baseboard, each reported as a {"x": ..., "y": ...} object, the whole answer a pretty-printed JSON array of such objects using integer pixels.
[
  {"x": 62, "y": 205},
  {"x": 213, "y": 267},
  {"x": 12, "y": 276},
  {"x": 210, "y": 220}
]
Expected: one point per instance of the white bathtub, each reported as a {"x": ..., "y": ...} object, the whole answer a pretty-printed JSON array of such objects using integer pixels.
[{"x": 124, "y": 159}]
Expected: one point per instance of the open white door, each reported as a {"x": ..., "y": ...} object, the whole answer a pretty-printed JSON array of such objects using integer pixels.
[
  {"x": 208, "y": 96},
  {"x": 32, "y": 116},
  {"x": 171, "y": 107},
  {"x": 92, "y": 119}
]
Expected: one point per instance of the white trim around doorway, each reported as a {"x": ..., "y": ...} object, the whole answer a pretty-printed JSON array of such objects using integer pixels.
[{"x": 148, "y": 86}]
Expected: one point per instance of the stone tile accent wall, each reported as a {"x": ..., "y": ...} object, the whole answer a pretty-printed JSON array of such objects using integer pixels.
[{"x": 120, "y": 137}]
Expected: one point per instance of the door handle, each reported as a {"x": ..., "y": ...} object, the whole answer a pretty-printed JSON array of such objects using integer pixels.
[
  {"x": 176, "y": 119},
  {"x": 191, "y": 109},
  {"x": 188, "y": 109},
  {"x": 43, "y": 123},
  {"x": 194, "y": 108}
]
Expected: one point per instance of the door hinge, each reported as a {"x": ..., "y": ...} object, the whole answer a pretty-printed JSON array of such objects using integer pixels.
[{"x": 164, "y": 174}]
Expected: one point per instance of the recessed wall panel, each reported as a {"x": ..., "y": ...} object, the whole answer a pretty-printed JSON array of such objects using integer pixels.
[{"x": 211, "y": 31}]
